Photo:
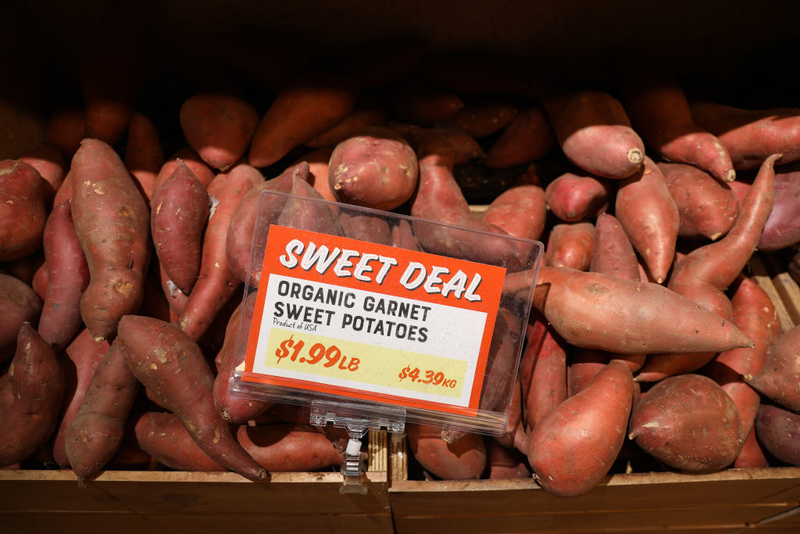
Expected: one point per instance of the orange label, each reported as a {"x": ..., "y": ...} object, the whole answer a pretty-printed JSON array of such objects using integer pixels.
[{"x": 340, "y": 316}]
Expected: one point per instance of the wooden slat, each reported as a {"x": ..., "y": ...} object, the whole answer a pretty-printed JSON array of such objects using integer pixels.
[
  {"x": 785, "y": 286},
  {"x": 765, "y": 281},
  {"x": 398, "y": 468}
]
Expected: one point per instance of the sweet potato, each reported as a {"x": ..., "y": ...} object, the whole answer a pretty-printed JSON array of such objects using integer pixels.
[
  {"x": 504, "y": 463},
  {"x": 31, "y": 391},
  {"x": 575, "y": 445},
  {"x": 163, "y": 436},
  {"x": 707, "y": 208},
  {"x": 529, "y": 137},
  {"x": 613, "y": 253},
  {"x": 39, "y": 282},
  {"x": 304, "y": 109},
  {"x": 778, "y": 430},
  {"x": 417, "y": 102},
  {"x": 112, "y": 222},
  {"x": 660, "y": 113},
  {"x": 51, "y": 166},
  {"x": 18, "y": 305},
  {"x": 67, "y": 278},
  {"x": 547, "y": 386},
  {"x": 782, "y": 229},
  {"x": 514, "y": 434},
  {"x": 594, "y": 132},
  {"x": 242, "y": 227},
  {"x": 751, "y": 136},
  {"x": 689, "y": 423},
  {"x": 97, "y": 430},
  {"x": 752, "y": 455},
  {"x": 144, "y": 156},
  {"x": 593, "y": 310},
  {"x": 482, "y": 118},
  {"x": 582, "y": 367},
  {"x": 318, "y": 171},
  {"x": 570, "y": 245},
  {"x": 463, "y": 460},
  {"x": 369, "y": 112},
  {"x": 22, "y": 210},
  {"x": 83, "y": 356},
  {"x": 779, "y": 378},
  {"x": 647, "y": 213},
  {"x": 365, "y": 227},
  {"x": 219, "y": 127},
  {"x": 179, "y": 215},
  {"x": 377, "y": 169},
  {"x": 170, "y": 364},
  {"x": 463, "y": 146},
  {"x": 216, "y": 284},
  {"x": 192, "y": 160},
  {"x": 573, "y": 197},
  {"x": 520, "y": 211},
  {"x": 66, "y": 128}
]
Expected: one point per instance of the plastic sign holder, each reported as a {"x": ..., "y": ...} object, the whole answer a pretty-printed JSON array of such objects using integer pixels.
[{"x": 374, "y": 319}]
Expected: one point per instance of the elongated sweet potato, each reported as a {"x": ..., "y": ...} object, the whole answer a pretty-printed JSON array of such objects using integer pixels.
[
  {"x": 303, "y": 211},
  {"x": 464, "y": 147},
  {"x": 67, "y": 278},
  {"x": 751, "y": 136},
  {"x": 463, "y": 460},
  {"x": 179, "y": 215},
  {"x": 582, "y": 367},
  {"x": 752, "y": 455},
  {"x": 689, "y": 423},
  {"x": 482, "y": 118},
  {"x": 65, "y": 129},
  {"x": 192, "y": 160},
  {"x": 22, "y": 210},
  {"x": 613, "y": 253},
  {"x": 570, "y": 245},
  {"x": 647, "y": 213},
  {"x": 595, "y": 133},
  {"x": 170, "y": 364},
  {"x": 304, "y": 109},
  {"x": 83, "y": 356},
  {"x": 96, "y": 431},
  {"x": 504, "y": 463},
  {"x": 782, "y": 229},
  {"x": 377, "y": 169},
  {"x": 593, "y": 310},
  {"x": 778, "y": 430},
  {"x": 417, "y": 102},
  {"x": 547, "y": 385},
  {"x": 31, "y": 391},
  {"x": 369, "y": 111},
  {"x": 707, "y": 208},
  {"x": 144, "y": 156},
  {"x": 661, "y": 114},
  {"x": 318, "y": 171},
  {"x": 573, "y": 197},
  {"x": 520, "y": 211},
  {"x": 527, "y": 138},
  {"x": 19, "y": 304},
  {"x": 574, "y": 446},
  {"x": 51, "y": 166},
  {"x": 242, "y": 227},
  {"x": 112, "y": 222},
  {"x": 779, "y": 378},
  {"x": 219, "y": 127},
  {"x": 365, "y": 227},
  {"x": 216, "y": 284}
]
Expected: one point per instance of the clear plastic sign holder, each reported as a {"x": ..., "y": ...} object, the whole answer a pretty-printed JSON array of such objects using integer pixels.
[{"x": 374, "y": 319}]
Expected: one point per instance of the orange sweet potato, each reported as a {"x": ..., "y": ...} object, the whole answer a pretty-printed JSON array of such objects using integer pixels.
[
  {"x": 112, "y": 222},
  {"x": 19, "y": 304},
  {"x": 594, "y": 132},
  {"x": 547, "y": 385},
  {"x": 97, "y": 430},
  {"x": 647, "y": 213},
  {"x": 661, "y": 114},
  {"x": 464, "y": 147},
  {"x": 573, "y": 197},
  {"x": 65, "y": 129},
  {"x": 51, "y": 166},
  {"x": 318, "y": 171},
  {"x": 570, "y": 245},
  {"x": 179, "y": 215},
  {"x": 144, "y": 156},
  {"x": 778, "y": 379},
  {"x": 31, "y": 391},
  {"x": 216, "y": 284},
  {"x": 83, "y": 356},
  {"x": 377, "y": 169},
  {"x": 67, "y": 278},
  {"x": 463, "y": 460},
  {"x": 707, "y": 208},
  {"x": 752, "y": 455},
  {"x": 170, "y": 364},
  {"x": 22, "y": 210},
  {"x": 527, "y": 138},
  {"x": 482, "y": 118},
  {"x": 219, "y": 127},
  {"x": 689, "y": 423},
  {"x": 417, "y": 102},
  {"x": 613, "y": 252},
  {"x": 304, "y": 109},
  {"x": 520, "y": 211},
  {"x": 751, "y": 136},
  {"x": 574, "y": 446},
  {"x": 369, "y": 112}
]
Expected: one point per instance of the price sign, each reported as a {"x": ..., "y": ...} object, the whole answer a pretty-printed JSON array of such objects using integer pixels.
[{"x": 373, "y": 322}]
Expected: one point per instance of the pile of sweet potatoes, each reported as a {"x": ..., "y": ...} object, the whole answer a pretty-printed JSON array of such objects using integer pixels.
[{"x": 124, "y": 248}]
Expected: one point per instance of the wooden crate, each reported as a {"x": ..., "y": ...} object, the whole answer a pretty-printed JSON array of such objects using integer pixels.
[
  {"x": 170, "y": 502},
  {"x": 729, "y": 501}
]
